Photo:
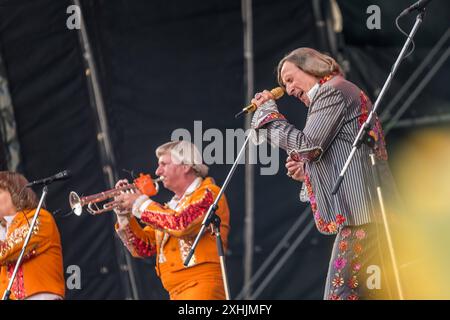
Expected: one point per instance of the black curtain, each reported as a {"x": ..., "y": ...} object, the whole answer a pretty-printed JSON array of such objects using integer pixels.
[
  {"x": 165, "y": 66},
  {"x": 372, "y": 53},
  {"x": 56, "y": 131}
]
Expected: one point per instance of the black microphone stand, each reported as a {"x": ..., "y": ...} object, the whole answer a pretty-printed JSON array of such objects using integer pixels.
[
  {"x": 212, "y": 218},
  {"x": 364, "y": 137},
  {"x": 363, "y": 134},
  {"x": 7, "y": 292}
]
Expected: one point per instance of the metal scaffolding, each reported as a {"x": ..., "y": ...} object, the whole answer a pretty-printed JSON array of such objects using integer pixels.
[
  {"x": 247, "y": 20},
  {"x": 105, "y": 146},
  {"x": 8, "y": 132},
  {"x": 394, "y": 120},
  {"x": 284, "y": 243}
]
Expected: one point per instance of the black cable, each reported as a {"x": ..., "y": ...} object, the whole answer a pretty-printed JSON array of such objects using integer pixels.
[
  {"x": 407, "y": 36},
  {"x": 131, "y": 173}
]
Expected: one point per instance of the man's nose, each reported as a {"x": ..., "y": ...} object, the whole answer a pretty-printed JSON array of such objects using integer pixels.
[
  {"x": 290, "y": 90},
  {"x": 158, "y": 171}
]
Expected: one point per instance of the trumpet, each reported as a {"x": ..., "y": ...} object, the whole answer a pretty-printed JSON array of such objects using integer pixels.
[{"x": 144, "y": 183}]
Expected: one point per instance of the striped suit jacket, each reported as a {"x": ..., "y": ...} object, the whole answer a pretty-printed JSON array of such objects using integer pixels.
[{"x": 335, "y": 115}]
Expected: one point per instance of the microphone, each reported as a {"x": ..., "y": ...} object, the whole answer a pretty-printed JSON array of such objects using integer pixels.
[
  {"x": 63, "y": 175},
  {"x": 419, "y": 5},
  {"x": 277, "y": 93}
]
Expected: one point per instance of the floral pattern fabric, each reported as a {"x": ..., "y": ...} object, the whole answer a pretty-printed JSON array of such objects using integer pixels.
[{"x": 355, "y": 249}]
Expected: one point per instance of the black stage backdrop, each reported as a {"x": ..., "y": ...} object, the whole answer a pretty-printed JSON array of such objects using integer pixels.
[{"x": 164, "y": 65}]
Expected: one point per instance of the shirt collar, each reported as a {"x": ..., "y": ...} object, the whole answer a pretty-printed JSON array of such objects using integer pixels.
[
  {"x": 313, "y": 91},
  {"x": 4, "y": 229},
  {"x": 192, "y": 187},
  {"x": 9, "y": 219}
]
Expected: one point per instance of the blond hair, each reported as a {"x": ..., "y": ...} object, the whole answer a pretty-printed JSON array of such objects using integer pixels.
[
  {"x": 184, "y": 152},
  {"x": 311, "y": 62}
]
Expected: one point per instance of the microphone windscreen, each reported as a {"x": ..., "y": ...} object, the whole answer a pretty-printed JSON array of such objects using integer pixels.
[{"x": 277, "y": 92}]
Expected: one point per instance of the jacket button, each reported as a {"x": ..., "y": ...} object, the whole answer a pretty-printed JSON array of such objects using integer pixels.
[{"x": 172, "y": 264}]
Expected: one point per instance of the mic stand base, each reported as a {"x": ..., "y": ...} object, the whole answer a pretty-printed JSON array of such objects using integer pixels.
[{"x": 216, "y": 230}]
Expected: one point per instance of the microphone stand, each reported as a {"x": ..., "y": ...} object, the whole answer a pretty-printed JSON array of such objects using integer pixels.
[
  {"x": 364, "y": 137},
  {"x": 212, "y": 217},
  {"x": 363, "y": 134},
  {"x": 7, "y": 292}
]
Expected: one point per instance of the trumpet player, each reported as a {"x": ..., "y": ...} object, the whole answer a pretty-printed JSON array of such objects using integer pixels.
[{"x": 172, "y": 227}]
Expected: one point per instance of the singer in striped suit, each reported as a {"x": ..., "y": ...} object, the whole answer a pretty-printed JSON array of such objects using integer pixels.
[{"x": 336, "y": 110}]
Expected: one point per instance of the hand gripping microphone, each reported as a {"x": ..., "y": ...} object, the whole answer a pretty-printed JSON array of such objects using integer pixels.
[{"x": 277, "y": 93}]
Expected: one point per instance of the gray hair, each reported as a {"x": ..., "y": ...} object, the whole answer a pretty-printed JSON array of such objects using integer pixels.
[
  {"x": 311, "y": 62},
  {"x": 184, "y": 152}
]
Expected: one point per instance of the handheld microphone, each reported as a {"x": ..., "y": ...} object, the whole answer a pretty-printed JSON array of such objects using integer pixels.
[
  {"x": 277, "y": 93},
  {"x": 63, "y": 175}
]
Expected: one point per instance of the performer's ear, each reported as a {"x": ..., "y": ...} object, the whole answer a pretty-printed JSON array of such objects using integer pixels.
[{"x": 187, "y": 168}]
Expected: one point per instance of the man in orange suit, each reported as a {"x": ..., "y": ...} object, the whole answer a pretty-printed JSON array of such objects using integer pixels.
[
  {"x": 40, "y": 276},
  {"x": 172, "y": 227}
]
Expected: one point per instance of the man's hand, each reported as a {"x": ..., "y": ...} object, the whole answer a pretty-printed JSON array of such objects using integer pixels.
[
  {"x": 295, "y": 169},
  {"x": 262, "y": 97},
  {"x": 126, "y": 199}
]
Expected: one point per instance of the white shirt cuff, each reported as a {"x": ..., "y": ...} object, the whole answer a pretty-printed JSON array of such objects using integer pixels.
[
  {"x": 140, "y": 204},
  {"x": 122, "y": 220}
]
